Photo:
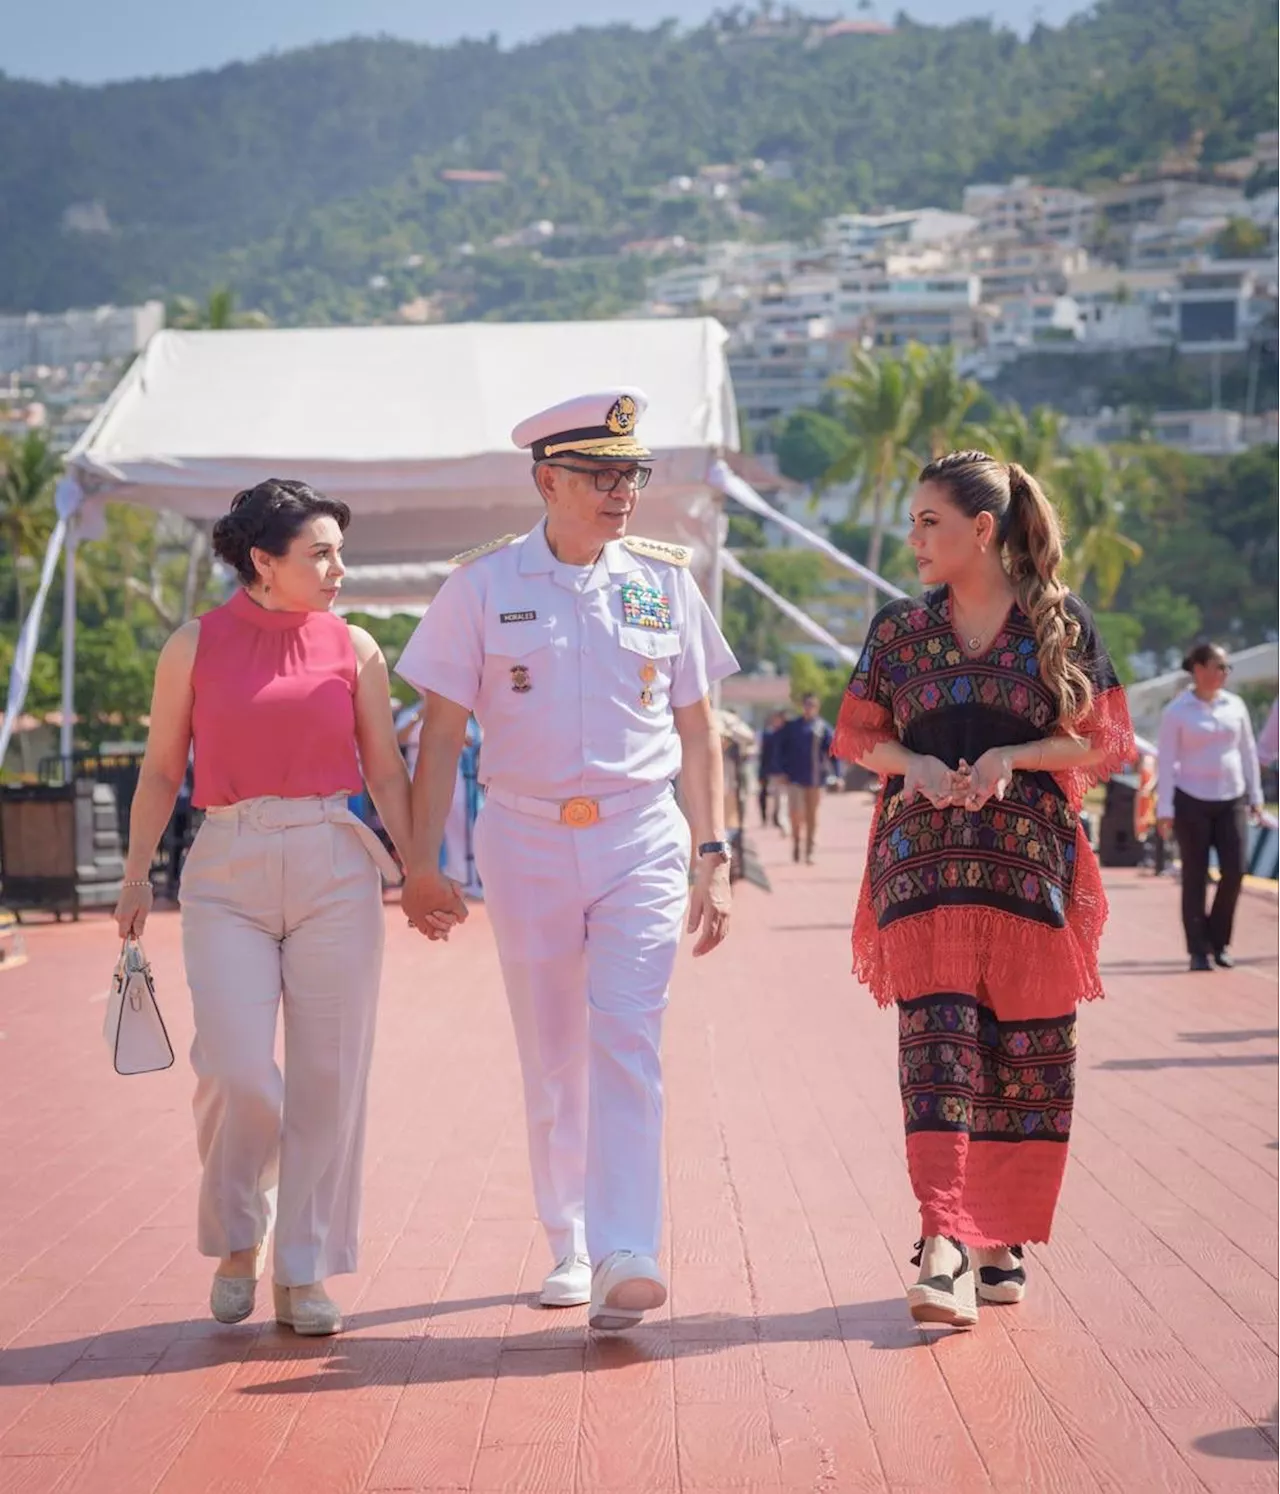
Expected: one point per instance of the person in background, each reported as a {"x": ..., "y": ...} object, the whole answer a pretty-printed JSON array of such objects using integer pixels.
[
  {"x": 771, "y": 779},
  {"x": 281, "y": 896},
  {"x": 1209, "y": 788},
  {"x": 409, "y": 733},
  {"x": 804, "y": 758},
  {"x": 1269, "y": 737}
]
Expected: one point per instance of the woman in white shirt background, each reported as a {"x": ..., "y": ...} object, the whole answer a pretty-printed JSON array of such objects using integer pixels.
[{"x": 1209, "y": 788}]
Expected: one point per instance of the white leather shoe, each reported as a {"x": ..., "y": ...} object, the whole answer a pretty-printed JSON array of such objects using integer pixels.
[
  {"x": 624, "y": 1287},
  {"x": 569, "y": 1285},
  {"x": 310, "y": 1317}
]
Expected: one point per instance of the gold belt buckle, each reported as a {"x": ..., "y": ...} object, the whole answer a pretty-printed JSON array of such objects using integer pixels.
[{"x": 578, "y": 814}]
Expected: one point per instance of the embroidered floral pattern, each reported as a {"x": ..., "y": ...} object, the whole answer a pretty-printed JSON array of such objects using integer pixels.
[
  {"x": 961, "y": 1069},
  {"x": 1017, "y": 856}
]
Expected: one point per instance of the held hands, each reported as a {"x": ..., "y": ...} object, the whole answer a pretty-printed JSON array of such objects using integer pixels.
[
  {"x": 432, "y": 903},
  {"x": 709, "y": 904},
  {"x": 987, "y": 779},
  {"x": 966, "y": 787},
  {"x": 930, "y": 778}
]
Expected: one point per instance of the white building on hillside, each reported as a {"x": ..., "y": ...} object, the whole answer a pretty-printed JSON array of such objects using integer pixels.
[
  {"x": 1126, "y": 308},
  {"x": 1010, "y": 266},
  {"x": 859, "y": 237},
  {"x": 1166, "y": 200},
  {"x": 1161, "y": 246},
  {"x": 778, "y": 367},
  {"x": 685, "y": 287},
  {"x": 940, "y": 310},
  {"x": 62, "y": 339},
  {"x": 1021, "y": 207},
  {"x": 1034, "y": 321},
  {"x": 1204, "y": 432},
  {"x": 1220, "y": 302}
]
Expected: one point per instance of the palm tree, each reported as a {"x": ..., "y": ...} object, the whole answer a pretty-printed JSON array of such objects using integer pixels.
[
  {"x": 944, "y": 402},
  {"x": 876, "y": 402},
  {"x": 1034, "y": 441},
  {"x": 1091, "y": 498},
  {"x": 218, "y": 314},
  {"x": 28, "y": 470}
]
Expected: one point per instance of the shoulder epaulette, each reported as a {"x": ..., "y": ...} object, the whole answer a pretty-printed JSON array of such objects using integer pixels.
[
  {"x": 658, "y": 550},
  {"x": 468, "y": 556}
]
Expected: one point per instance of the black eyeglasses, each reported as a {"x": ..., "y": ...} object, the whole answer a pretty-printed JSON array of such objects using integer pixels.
[{"x": 608, "y": 478}]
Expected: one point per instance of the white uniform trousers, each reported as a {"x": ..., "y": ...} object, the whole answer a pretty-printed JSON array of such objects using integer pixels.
[
  {"x": 282, "y": 901},
  {"x": 587, "y": 924}
]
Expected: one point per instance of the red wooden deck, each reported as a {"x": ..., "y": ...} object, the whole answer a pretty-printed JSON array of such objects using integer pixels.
[{"x": 1144, "y": 1358}]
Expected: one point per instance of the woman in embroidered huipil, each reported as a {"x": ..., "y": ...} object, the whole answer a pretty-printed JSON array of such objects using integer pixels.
[{"x": 988, "y": 705}]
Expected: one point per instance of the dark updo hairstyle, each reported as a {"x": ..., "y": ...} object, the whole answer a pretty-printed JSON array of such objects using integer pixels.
[
  {"x": 1028, "y": 531},
  {"x": 270, "y": 517},
  {"x": 1203, "y": 653}
]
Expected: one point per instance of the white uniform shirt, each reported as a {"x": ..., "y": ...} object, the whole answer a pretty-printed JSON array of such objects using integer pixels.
[
  {"x": 1206, "y": 749},
  {"x": 572, "y": 671}
]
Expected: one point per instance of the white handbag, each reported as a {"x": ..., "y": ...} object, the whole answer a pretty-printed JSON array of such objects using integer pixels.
[{"x": 134, "y": 1028}]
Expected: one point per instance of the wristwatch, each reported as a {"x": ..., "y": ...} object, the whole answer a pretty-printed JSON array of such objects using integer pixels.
[{"x": 717, "y": 848}]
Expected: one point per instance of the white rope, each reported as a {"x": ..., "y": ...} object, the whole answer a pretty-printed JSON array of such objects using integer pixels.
[
  {"x": 727, "y": 480},
  {"x": 735, "y": 568}
]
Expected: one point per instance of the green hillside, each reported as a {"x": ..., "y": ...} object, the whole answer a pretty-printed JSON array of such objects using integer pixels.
[{"x": 301, "y": 176}]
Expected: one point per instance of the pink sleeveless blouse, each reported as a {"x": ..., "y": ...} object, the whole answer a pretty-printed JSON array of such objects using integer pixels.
[{"x": 274, "y": 705}]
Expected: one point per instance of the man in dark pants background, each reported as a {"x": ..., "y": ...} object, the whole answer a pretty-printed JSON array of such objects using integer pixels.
[
  {"x": 804, "y": 752},
  {"x": 770, "y": 770}
]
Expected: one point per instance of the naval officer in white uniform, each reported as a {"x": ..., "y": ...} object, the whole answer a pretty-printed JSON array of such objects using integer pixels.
[{"x": 587, "y": 656}]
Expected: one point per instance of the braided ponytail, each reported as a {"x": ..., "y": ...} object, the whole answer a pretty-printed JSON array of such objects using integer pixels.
[{"x": 1033, "y": 555}]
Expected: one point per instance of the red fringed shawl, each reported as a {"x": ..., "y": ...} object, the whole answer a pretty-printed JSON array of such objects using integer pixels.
[{"x": 1008, "y": 898}]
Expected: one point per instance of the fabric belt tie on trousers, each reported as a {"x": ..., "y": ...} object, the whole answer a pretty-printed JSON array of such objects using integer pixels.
[
  {"x": 270, "y": 814},
  {"x": 582, "y": 812}
]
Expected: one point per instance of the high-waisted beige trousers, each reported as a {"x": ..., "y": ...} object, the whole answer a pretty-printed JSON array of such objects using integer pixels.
[{"x": 282, "y": 903}]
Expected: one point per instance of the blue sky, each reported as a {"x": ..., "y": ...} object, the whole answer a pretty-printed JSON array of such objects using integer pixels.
[{"x": 89, "y": 41}]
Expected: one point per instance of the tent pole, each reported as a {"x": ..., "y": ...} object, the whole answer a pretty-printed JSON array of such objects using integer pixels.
[
  {"x": 717, "y": 581},
  {"x": 67, "y": 735}
]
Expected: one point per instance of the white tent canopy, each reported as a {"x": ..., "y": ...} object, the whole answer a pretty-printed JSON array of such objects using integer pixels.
[{"x": 409, "y": 425}]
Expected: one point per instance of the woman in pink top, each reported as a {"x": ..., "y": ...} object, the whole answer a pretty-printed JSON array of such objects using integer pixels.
[{"x": 288, "y": 708}]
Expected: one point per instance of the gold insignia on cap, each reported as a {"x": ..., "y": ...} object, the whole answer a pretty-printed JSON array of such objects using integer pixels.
[
  {"x": 679, "y": 555},
  {"x": 468, "y": 556},
  {"x": 621, "y": 418}
]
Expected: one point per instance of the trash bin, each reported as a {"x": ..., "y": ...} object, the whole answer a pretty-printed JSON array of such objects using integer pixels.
[
  {"x": 59, "y": 847},
  {"x": 1118, "y": 844}
]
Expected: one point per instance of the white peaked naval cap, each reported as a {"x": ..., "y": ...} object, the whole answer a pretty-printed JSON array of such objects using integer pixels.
[{"x": 600, "y": 426}]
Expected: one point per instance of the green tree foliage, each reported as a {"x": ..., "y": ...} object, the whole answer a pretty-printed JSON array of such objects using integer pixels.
[
  {"x": 808, "y": 677},
  {"x": 808, "y": 445},
  {"x": 28, "y": 470},
  {"x": 1241, "y": 239},
  {"x": 1122, "y": 635},
  {"x": 752, "y": 624},
  {"x": 1207, "y": 528},
  {"x": 313, "y": 180},
  {"x": 132, "y": 587},
  {"x": 391, "y": 634}
]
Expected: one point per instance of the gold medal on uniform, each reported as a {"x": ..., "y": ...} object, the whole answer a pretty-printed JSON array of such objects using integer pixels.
[
  {"x": 520, "y": 681},
  {"x": 648, "y": 673}
]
